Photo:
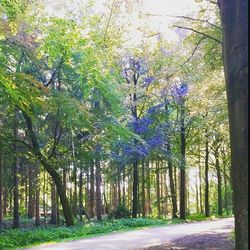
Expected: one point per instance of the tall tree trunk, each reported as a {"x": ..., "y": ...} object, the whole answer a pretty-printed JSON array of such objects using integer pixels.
[
  {"x": 31, "y": 206},
  {"x": 158, "y": 198},
  {"x": 123, "y": 188},
  {"x": 5, "y": 195},
  {"x": 92, "y": 191},
  {"x": 44, "y": 198},
  {"x": 183, "y": 164},
  {"x": 52, "y": 172},
  {"x": 197, "y": 195},
  {"x": 200, "y": 187},
  {"x": 148, "y": 188},
  {"x": 171, "y": 182},
  {"x": 170, "y": 171},
  {"x": 135, "y": 189},
  {"x": 53, "y": 204},
  {"x": 1, "y": 187},
  {"x": 225, "y": 188},
  {"x": 37, "y": 193},
  {"x": 98, "y": 191},
  {"x": 234, "y": 17},
  {"x": 207, "y": 209},
  {"x": 119, "y": 185},
  {"x": 219, "y": 186},
  {"x": 16, "y": 223},
  {"x": 81, "y": 195},
  {"x": 143, "y": 190}
]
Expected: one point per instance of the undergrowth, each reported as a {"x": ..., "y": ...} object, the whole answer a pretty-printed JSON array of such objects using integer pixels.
[{"x": 14, "y": 238}]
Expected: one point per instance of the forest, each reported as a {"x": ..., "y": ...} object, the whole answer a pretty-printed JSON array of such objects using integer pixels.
[{"x": 104, "y": 117}]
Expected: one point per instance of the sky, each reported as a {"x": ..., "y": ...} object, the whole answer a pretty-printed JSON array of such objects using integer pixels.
[{"x": 158, "y": 13}]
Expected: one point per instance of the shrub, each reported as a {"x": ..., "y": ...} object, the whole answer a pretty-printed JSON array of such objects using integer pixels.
[{"x": 120, "y": 212}]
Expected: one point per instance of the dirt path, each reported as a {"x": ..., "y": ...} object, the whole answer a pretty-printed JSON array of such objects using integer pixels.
[{"x": 150, "y": 238}]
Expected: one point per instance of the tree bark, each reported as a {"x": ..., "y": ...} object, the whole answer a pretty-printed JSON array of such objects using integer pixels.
[
  {"x": 234, "y": 17},
  {"x": 52, "y": 172},
  {"x": 37, "y": 193},
  {"x": 158, "y": 196},
  {"x": 207, "y": 209},
  {"x": 183, "y": 164},
  {"x": 135, "y": 189},
  {"x": 143, "y": 190},
  {"x": 226, "y": 189},
  {"x": 53, "y": 204},
  {"x": 1, "y": 187},
  {"x": 219, "y": 186},
  {"x": 98, "y": 191},
  {"x": 92, "y": 191},
  {"x": 31, "y": 206},
  {"x": 16, "y": 222},
  {"x": 148, "y": 188},
  {"x": 171, "y": 182}
]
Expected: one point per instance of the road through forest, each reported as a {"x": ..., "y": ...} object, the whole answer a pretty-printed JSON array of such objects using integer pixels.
[{"x": 143, "y": 238}]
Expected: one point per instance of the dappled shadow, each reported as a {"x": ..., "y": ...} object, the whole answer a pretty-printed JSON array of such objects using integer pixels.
[{"x": 206, "y": 241}]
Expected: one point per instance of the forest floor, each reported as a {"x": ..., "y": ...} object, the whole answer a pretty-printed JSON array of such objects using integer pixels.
[{"x": 209, "y": 235}]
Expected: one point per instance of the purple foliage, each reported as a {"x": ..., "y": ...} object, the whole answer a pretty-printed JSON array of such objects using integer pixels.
[
  {"x": 147, "y": 81},
  {"x": 179, "y": 91},
  {"x": 140, "y": 126},
  {"x": 154, "y": 109},
  {"x": 132, "y": 66},
  {"x": 157, "y": 140}
]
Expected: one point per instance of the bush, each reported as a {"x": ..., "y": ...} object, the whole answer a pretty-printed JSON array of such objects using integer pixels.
[{"x": 120, "y": 212}]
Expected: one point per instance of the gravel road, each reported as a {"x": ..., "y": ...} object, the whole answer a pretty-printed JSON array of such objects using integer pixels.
[{"x": 150, "y": 238}]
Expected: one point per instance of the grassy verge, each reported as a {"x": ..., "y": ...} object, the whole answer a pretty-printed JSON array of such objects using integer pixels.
[
  {"x": 15, "y": 238},
  {"x": 202, "y": 217}
]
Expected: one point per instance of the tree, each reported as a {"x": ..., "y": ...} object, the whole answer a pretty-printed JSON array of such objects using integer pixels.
[{"x": 234, "y": 18}]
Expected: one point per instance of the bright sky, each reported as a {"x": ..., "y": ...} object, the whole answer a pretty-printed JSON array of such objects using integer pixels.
[{"x": 158, "y": 20}]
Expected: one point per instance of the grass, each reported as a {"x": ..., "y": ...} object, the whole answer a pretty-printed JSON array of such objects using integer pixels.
[
  {"x": 202, "y": 217},
  {"x": 15, "y": 238}
]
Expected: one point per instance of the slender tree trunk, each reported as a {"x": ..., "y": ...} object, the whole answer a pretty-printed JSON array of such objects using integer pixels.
[
  {"x": 80, "y": 195},
  {"x": 226, "y": 190},
  {"x": 119, "y": 186},
  {"x": 219, "y": 187},
  {"x": 16, "y": 223},
  {"x": 31, "y": 206},
  {"x": 158, "y": 190},
  {"x": 44, "y": 198},
  {"x": 197, "y": 195},
  {"x": 92, "y": 191},
  {"x": 207, "y": 209},
  {"x": 123, "y": 188},
  {"x": 234, "y": 17},
  {"x": 148, "y": 188},
  {"x": 37, "y": 193},
  {"x": 1, "y": 187},
  {"x": 5, "y": 195},
  {"x": 200, "y": 188},
  {"x": 171, "y": 182},
  {"x": 26, "y": 196},
  {"x": 135, "y": 189},
  {"x": 143, "y": 190},
  {"x": 53, "y": 204},
  {"x": 183, "y": 164},
  {"x": 98, "y": 191}
]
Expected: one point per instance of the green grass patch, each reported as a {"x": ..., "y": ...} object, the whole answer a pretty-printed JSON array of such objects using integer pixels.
[
  {"x": 202, "y": 217},
  {"x": 14, "y": 238}
]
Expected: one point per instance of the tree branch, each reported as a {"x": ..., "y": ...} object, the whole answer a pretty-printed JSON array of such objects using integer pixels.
[
  {"x": 198, "y": 20},
  {"x": 201, "y": 33}
]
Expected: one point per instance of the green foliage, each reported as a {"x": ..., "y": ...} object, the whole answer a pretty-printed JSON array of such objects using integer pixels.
[
  {"x": 23, "y": 237},
  {"x": 120, "y": 212}
]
